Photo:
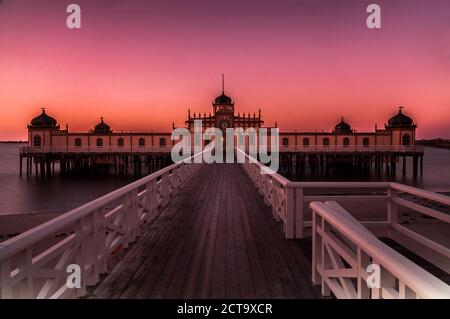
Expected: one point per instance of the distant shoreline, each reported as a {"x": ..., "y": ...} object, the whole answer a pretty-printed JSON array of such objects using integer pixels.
[
  {"x": 13, "y": 142},
  {"x": 438, "y": 143}
]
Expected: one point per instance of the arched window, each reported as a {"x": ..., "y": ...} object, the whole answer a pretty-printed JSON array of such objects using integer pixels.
[
  {"x": 78, "y": 142},
  {"x": 120, "y": 142},
  {"x": 366, "y": 142},
  {"x": 406, "y": 140},
  {"x": 346, "y": 142},
  {"x": 141, "y": 142},
  {"x": 306, "y": 142},
  {"x": 285, "y": 141},
  {"x": 99, "y": 142},
  {"x": 37, "y": 141},
  {"x": 326, "y": 141},
  {"x": 162, "y": 142}
]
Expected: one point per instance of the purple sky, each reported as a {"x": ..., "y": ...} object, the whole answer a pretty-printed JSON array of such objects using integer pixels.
[{"x": 305, "y": 63}]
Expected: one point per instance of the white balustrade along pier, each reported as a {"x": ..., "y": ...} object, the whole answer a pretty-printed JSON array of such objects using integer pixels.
[
  {"x": 289, "y": 204},
  {"x": 34, "y": 263}
]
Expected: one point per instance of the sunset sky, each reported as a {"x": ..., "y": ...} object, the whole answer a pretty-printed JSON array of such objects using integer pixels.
[{"x": 305, "y": 63}]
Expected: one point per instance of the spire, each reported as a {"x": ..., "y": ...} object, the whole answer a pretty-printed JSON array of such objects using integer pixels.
[
  {"x": 101, "y": 119},
  {"x": 43, "y": 109},
  {"x": 400, "y": 108},
  {"x": 223, "y": 83}
]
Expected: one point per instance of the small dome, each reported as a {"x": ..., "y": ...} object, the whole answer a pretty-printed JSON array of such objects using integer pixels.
[
  {"x": 343, "y": 127},
  {"x": 400, "y": 119},
  {"x": 223, "y": 99},
  {"x": 43, "y": 120},
  {"x": 102, "y": 127}
]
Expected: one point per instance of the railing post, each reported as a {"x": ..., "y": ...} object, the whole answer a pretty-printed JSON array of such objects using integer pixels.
[
  {"x": 316, "y": 246},
  {"x": 5, "y": 280},
  {"x": 324, "y": 258},
  {"x": 392, "y": 209},
  {"x": 289, "y": 226},
  {"x": 299, "y": 213},
  {"x": 80, "y": 257},
  {"x": 102, "y": 251},
  {"x": 363, "y": 260},
  {"x": 91, "y": 243},
  {"x": 151, "y": 199},
  {"x": 131, "y": 216}
]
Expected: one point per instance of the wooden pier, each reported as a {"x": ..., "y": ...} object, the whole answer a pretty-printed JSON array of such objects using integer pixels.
[
  {"x": 216, "y": 239},
  {"x": 232, "y": 231}
]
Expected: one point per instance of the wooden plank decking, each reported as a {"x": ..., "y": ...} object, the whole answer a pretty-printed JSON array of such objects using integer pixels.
[{"x": 216, "y": 239}]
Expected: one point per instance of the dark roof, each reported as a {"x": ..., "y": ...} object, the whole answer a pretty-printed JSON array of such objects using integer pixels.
[
  {"x": 102, "y": 127},
  {"x": 43, "y": 120},
  {"x": 400, "y": 119},
  {"x": 343, "y": 127},
  {"x": 223, "y": 99}
]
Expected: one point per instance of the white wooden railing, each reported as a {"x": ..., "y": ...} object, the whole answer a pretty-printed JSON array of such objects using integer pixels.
[
  {"x": 342, "y": 251},
  {"x": 34, "y": 263},
  {"x": 289, "y": 200},
  {"x": 290, "y": 203},
  {"x": 351, "y": 148},
  {"x": 94, "y": 149}
]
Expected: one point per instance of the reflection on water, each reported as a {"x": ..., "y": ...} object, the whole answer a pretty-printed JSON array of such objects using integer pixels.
[{"x": 21, "y": 194}]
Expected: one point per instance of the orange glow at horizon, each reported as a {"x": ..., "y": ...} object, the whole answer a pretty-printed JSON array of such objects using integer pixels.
[{"x": 305, "y": 66}]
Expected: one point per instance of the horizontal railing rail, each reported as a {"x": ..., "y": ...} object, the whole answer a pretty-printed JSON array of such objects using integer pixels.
[
  {"x": 397, "y": 199},
  {"x": 34, "y": 263},
  {"x": 350, "y": 262},
  {"x": 94, "y": 149},
  {"x": 351, "y": 148}
]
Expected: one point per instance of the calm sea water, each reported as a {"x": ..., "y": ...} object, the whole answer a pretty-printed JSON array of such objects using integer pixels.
[
  {"x": 58, "y": 194},
  {"x": 32, "y": 195}
]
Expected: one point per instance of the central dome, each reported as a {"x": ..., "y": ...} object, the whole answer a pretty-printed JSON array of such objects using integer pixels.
[{"x": 223, "y": 99}]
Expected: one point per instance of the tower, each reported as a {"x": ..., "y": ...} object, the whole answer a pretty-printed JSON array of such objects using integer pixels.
[{"x": 223, "y": 109}]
